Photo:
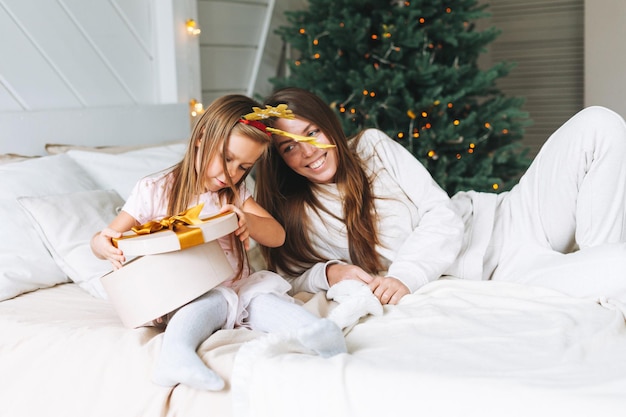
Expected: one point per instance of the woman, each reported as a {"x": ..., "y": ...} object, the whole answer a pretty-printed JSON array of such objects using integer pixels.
[{"x": 367, "y": 210}]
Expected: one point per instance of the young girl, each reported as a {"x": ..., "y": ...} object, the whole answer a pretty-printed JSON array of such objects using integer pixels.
[
  {"x": 222, "y": 150},
  {"x": 366, "y": 210}
]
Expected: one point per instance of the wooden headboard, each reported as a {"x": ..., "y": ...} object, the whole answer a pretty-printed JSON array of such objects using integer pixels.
[{"x": 27, "y": 133}]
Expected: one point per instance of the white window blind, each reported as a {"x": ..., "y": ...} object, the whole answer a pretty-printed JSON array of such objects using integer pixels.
[{"x": 546, "y": 40}]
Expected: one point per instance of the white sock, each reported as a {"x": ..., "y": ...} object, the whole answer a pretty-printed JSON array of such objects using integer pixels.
[
  {"x": 272, "y": 314},
  {"x": 192, "y": 324},
  {"x": 355, "y": 300}
]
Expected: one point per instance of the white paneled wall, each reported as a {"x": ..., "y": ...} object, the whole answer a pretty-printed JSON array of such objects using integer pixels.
[
  {"x": 117, "y": 65},
  {"x": 232, "y": 44},
  {"x": 81, "y": 53}
]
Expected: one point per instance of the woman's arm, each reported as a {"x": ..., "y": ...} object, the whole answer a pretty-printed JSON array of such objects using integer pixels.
[{"x": 433, "y": 244}]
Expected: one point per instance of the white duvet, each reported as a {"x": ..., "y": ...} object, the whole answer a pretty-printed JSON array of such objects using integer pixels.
[{"x": 454, "y": 348}]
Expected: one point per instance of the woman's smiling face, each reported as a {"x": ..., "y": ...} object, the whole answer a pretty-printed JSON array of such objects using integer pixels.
[{"x": 317, "y": 165}]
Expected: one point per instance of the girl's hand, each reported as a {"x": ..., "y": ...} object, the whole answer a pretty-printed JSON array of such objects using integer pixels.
[
  {"x": 102, "y": 247},
  {"x": 340, "y": 272},
  {"x": 388, "y": 290},
  {"x": 242, "y": 231}
]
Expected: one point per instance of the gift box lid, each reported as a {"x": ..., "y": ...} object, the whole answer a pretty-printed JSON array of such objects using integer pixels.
[
  {"x": 176, "y": 233},
  {"x": 152, "y": 286}
]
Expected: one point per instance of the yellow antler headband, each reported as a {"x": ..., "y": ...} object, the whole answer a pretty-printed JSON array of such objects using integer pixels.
[{"x": 282, "y": 112}]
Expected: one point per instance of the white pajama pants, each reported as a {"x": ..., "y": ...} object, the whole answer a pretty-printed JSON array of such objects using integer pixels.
[{"x": 564, "y": 225}]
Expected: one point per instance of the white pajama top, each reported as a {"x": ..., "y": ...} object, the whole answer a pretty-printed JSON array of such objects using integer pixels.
[{"x": 419, "y": 231}]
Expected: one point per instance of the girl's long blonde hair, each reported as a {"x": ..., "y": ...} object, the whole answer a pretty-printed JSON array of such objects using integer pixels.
[
  {"x": 209, "y": 138},
  {"x": 286, "y": 194}
]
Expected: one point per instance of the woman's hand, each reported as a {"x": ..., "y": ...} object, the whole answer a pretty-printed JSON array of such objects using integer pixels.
[
  {"x": 388, "y": 290},
  {"x": 242, "y": 231},
  {"x": 339, "y": 272},
  {"x": 102, "y": 246}
]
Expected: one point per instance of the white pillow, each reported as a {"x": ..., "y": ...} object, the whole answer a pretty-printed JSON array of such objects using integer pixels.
[
  {"x": 120, "y": 172},
  {"x": 25, "y": 263},
  {"x": 66, "y": 223}
]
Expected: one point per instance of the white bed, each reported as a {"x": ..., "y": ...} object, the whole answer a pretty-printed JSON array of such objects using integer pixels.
[{"x": 453, "y": 348}]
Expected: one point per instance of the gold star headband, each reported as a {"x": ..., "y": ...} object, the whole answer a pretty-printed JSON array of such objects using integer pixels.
[{"x": 281, "y": 112}]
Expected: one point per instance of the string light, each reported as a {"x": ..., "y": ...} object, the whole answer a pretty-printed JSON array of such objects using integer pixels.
[
  {"x": 192, "y": 27},
  {"x": 495, "y": 186},
  {"x": 195, "y": 107}
]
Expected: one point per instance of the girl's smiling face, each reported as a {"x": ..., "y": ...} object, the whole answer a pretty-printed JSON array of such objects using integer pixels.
[
  {"x": 317, "y": 165},
  {"x": 241, "y": 155}
]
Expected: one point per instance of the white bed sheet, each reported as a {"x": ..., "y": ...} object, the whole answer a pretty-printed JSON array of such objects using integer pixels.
[
  {"x": 454, "y": 348},
  {"x": 64, "y": 353}
]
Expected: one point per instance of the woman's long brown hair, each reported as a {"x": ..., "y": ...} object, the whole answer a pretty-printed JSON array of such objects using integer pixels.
[
  {"x": 286, "y": 194},
  {"x": 209, "y": 138}
]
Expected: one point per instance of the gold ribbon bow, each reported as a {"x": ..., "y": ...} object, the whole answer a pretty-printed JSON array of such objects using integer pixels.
[
  {"x": 282, "y": 112},
  {"x": 187, "y": 236}
]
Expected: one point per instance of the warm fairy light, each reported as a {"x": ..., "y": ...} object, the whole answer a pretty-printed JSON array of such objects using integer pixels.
[
  {"x": 448, "y": 10},
  {"x": 437, "y": 102},
  {"x": 450, "y": 105},
  {"x": 342, "y": 24},
  {"x": 352, "y": 110},
  {"x": 488, "y": 125},
  {"x": 411, "y": 114},
  {"x": 302, "y": 31},
  {"x": 428, "y": 125},
  {"x": 195, "y": 107},
  {"x": 387, "y": 35},
  {"x": 192, "y": 27},
  {"x": 400, "y": 135},
  {"x": 458, "y": 156},
  {"x": 376, "y": 65},
  {"x": 372, "y": 94},
  {"x": 472, "y": 145},
  {"x": 505, "y": 131},
  {"x": 374, "y": 36},
  {"x": 456, "y": 122},
  {"x": 316, "y": 56},
  {"x": 424, "y": 114},
  {"x": 495, "y": 186},
  {"x": 416, "y": 134},
  {"x": 298, "y": 63},
  {"x": 422, "y": 20},
  {"x": 316, "y": 42},
  {"x": 365, "y": 92},
  {"x": 432, "y": 154},
  {"x": 342, "y": 109}
]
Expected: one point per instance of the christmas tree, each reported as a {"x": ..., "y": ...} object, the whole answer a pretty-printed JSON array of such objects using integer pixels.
[{"x": 409, "y": 68}]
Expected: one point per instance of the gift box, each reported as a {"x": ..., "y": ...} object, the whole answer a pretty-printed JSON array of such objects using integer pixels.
[{"x": 170, "y": 270}]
